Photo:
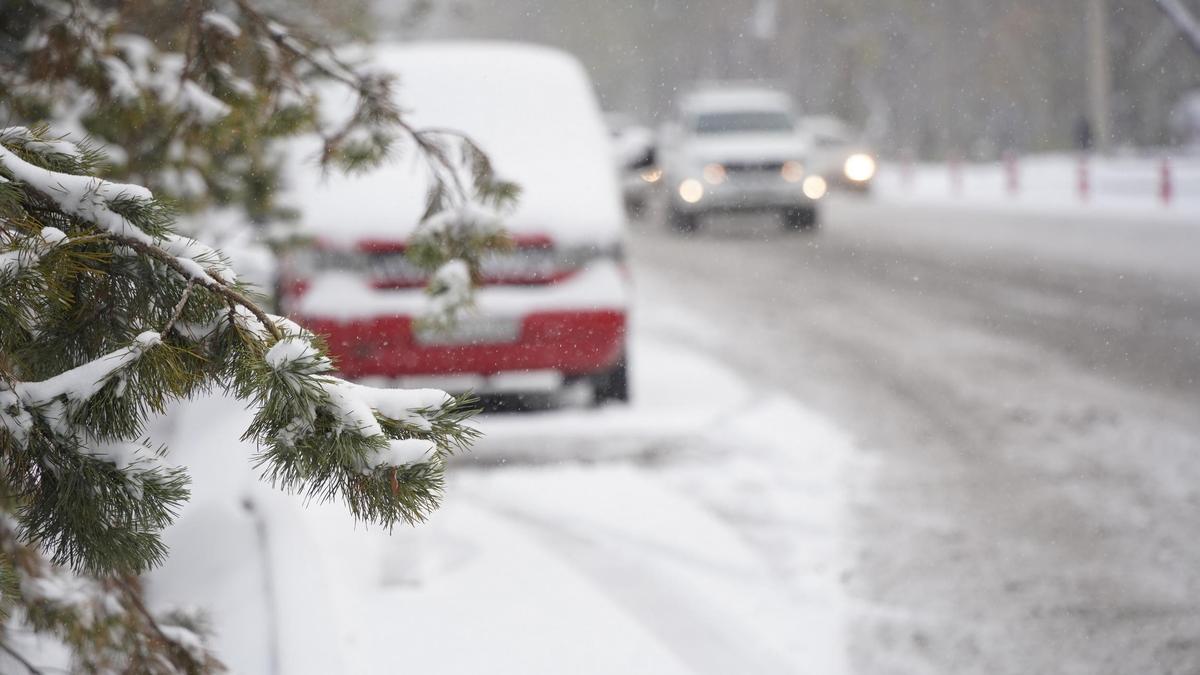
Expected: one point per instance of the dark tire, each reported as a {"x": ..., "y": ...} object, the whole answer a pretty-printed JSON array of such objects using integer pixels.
[
  {"x": 516, "y": 403},
  {"x": 684, "y": 223},
  {"x": 612, "y": 385},
  {"x": 635, "y": 208},
  {"x": 800, "y": 219}
]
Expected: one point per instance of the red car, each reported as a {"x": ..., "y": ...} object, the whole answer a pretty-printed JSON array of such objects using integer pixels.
[{"x": 549, "y": 313}]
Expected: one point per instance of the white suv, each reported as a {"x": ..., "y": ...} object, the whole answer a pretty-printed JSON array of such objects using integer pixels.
[{"x": 738, "y": 149}]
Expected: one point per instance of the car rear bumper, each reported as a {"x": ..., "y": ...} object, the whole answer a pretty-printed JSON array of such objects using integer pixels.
[
  {"x": 567, "y": 342},
  {"x": 575, "y": 326}
]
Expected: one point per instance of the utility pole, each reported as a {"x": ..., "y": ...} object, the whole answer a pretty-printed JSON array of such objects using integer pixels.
[
  {"x": 1099, "y": 74},
  {"x": 764, "y": 27}
]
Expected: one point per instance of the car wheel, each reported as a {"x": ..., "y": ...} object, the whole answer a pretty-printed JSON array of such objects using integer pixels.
[
  {"x": 800, "y": 219},
  {"x": 611, "y": 385},
  {"x": 682, "y": 222}
]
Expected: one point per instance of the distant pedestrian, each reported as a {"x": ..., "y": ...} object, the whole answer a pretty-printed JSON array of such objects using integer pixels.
[{"x": 1084, "y": 139}]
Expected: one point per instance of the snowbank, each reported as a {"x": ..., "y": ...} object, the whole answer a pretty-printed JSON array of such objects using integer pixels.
[{"x": 243, "y": 552}]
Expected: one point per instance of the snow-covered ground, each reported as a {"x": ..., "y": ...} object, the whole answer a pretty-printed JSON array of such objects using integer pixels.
[
  {"x": 718, "y": 525},
  {"x": 698, "y": 531},
  {"x": 1130, "y": 186}
]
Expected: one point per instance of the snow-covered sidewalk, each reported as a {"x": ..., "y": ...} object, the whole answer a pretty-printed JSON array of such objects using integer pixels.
[{"x": 699, "y": 531}]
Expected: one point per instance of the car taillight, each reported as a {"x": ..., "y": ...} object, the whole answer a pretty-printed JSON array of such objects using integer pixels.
[{"x": 533, "y": 265}]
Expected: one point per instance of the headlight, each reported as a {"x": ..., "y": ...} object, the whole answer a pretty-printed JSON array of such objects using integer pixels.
[
  {"x": 859, "y": 168},
  {"x": 691, "y": 191},
  {"x": 815, "y": 187},
  {"x": 792, "y": 172},
  {"x": 714, "y": 174},
  {"x": 651, "y": 175}
]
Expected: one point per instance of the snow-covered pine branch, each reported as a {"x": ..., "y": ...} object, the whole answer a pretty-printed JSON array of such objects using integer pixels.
[
  {"x": 290, "y": 375},
  {"x": 103, "y": 621},
  {"x": 108, "y": 314},
  {"x": 131, "y": 316},
  {"x": 198, "y": 113}
]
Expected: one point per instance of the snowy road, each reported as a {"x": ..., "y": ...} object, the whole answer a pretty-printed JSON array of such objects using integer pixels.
[{"x": 1025, "y": 392}]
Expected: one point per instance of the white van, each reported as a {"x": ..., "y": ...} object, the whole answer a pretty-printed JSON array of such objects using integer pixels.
[{"x": 550, "y": 313}]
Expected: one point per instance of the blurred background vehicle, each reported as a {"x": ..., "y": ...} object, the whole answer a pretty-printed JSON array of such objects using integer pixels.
[
  {"x": 737, "y": 147},
  {"x": 635, "y": 157},
  {"x": 838, "y": 154},
  {"x": 549, "y": 313}
]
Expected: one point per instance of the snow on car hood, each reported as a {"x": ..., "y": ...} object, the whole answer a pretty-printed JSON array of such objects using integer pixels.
[
  {"x": 532, "y": 109},
  {"x": 747, "y": 148}
]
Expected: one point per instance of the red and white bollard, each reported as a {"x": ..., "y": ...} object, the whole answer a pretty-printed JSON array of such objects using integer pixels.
[
  {"x": 1012, "y": 176},
  {"x": 1166, "y": 186},
  {"x": 1085, "y": 179}
]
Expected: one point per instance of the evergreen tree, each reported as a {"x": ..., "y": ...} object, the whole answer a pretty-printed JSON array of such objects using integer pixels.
[{"x": 108, "y": 314}]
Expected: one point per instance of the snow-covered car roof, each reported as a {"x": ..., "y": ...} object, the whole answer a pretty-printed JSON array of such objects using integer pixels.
[
  {"x": 531, "y": 108},
  {"x": 735, "y": 98},
  {"x": 827, "y": 125}
]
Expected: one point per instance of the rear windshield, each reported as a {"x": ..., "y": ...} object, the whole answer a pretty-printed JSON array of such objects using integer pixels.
[{"x": 751, "y": 121}]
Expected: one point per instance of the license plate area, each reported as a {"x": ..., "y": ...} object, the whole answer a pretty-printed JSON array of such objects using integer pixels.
[{"x": 470, "y": 330}]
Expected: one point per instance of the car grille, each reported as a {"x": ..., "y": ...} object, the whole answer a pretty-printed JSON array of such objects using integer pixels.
[{"x": 753, "y": 167}]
